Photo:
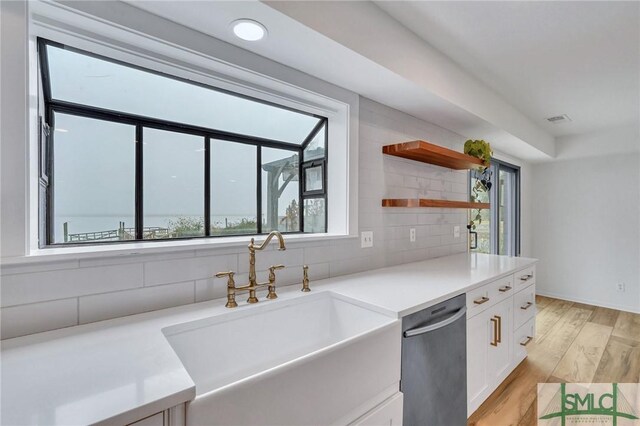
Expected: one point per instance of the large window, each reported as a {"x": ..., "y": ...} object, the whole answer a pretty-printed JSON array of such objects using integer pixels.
[
  {"x": 498, "y": 231},
  {"x": 133, "y": 154}
]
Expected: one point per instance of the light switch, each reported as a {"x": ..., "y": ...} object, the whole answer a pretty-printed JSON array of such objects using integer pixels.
[
  {"x": 456, "y": 232},
  {"x": 366, "y": 239}
]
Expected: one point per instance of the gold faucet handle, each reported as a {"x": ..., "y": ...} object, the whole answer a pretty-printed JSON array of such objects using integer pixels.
[
  {"x": 272, "y": 281},
  {"x": 272, "y": 272},
  {"x": 229, "y": 274},
  {"x": 231, "y": 288}
]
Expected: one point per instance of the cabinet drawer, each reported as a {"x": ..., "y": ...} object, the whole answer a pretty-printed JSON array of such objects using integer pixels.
[
  {"x": 524, "y": 306},
  {"x": 481, "y": 298},
  {"x": 503, "y": 288},
  {"x": 524, "y": 277},
  {"x": 522, "y": 337}
]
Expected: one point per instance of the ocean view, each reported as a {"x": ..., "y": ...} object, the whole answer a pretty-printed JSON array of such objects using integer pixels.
[{"x": 90, "y": 223}]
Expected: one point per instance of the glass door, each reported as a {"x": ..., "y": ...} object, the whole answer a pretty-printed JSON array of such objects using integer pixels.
[
  {"x": 507, "y": 202},
  {"x": 498, "y": 229}
]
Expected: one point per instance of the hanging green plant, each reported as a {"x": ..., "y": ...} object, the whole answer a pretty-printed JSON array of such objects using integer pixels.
[{"x": 480, "y": 149}]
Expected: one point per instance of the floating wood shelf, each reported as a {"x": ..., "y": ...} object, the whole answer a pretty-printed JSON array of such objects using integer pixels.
[
  {"x": 426, "y": 202},
  {"x": 426, "y": 152}
]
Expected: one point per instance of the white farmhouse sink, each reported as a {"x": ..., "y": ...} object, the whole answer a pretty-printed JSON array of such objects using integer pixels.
[{"x": 316, "y": 359}]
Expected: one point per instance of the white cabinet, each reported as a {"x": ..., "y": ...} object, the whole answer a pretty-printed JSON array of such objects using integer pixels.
[
  {"x": 489, "y": 351},
  {"x": 521, "y": 339},
  {"x": 500, "y": 348},
  {"x": 524, "y": 277},
  {"x": 500, "y": 323},
  {"x": 389, "y": 413},
  {"x": 478, "y": 338},
  {"x": 524, "y": 305}
]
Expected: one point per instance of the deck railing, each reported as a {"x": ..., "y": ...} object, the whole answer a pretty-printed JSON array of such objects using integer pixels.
[{"x": 120, "y": 234}]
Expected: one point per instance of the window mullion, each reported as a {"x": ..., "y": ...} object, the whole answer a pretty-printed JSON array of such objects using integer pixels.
[
  {"x": 207, "y": 186},
  {"x": 49, "y": 152},
  {"x": 300, "y": 191},
  {"x": 259, "y": 191},
  {"x": 139, "y": 219}
]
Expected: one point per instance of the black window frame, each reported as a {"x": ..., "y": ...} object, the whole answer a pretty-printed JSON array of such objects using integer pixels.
[{"x": 52, "y": 106}]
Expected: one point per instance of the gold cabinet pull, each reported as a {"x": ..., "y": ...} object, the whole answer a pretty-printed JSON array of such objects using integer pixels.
[
  {"x": 526, "y": 306},
  {"x": 482, "y": 300},
  {"x": 527, "y": 341},
  {"x": 495, "y": 332},
  {"x": 499, "y": 338},
  {"x": 526, "y": 277},
  {"x": 504, "y": 289}
]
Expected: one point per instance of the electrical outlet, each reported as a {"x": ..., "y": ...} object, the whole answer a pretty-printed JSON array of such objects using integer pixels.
[
  {"x": 621, "y": 287},
  {"x": 456, "y": 232},
  {"x": 366, "y": 239},
  {"x": 412, "y": 235}
]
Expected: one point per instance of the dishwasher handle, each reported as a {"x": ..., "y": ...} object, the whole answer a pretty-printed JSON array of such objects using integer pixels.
[{"x": 432, "y": 327}]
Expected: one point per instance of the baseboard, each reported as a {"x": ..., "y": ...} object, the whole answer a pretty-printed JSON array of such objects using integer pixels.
[{"x": 587, "y": 302}]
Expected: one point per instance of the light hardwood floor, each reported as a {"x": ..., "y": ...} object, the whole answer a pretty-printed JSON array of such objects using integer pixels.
[{"x": 574, "y": 343}]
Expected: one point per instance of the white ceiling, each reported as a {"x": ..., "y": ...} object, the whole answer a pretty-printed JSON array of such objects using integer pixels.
[
  {"x": 492, "y": 70},
  {"x": 546, "y": 58},
  {"x": 296, "y": 43}
]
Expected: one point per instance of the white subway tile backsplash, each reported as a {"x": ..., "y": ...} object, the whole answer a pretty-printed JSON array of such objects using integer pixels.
[
  {"x": 271, "y": 256},
  {"x": 317, "y": 255},
  {"x": 171, "y": 271},
  {"x": 38, "y": 267},
  {"x": 121, "y": 303},
  {"x": 351, "y": 266},
  {"x": 430, "y": 219},
  {"x": 460, "y": 188},
  {"x": 318, "y": 271},
  {"x": 38, "y": 317},
  {"x": 214, "y": 288},
  {"x": 134, "y": 258},
  {"x": 40, "y": 286}
]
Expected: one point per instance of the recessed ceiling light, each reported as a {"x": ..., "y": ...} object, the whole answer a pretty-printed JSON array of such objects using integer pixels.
[{"x": 248, "y": 29}]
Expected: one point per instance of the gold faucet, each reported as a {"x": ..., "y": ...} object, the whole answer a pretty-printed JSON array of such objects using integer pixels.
[
  {"x": 253, "y": 283},
  {"x": 252, "y": 255}
]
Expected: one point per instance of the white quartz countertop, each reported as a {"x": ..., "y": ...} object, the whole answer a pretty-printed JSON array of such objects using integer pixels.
[{"x": 121, "y": 370}]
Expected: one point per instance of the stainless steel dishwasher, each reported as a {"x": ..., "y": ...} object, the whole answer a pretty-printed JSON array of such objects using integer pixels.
[{"x": 434, "y": 365}]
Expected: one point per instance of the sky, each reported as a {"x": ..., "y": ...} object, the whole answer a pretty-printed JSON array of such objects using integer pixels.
[{"x": 94, "y": 160}]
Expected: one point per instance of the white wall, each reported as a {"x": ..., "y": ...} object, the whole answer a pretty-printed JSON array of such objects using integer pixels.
[
  {"x": 13, "y": 126},
  {"x": 586, "y": 221}
]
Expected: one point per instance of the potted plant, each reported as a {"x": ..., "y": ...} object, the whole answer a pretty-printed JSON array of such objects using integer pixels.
[{"x": 482, "y": 150}]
